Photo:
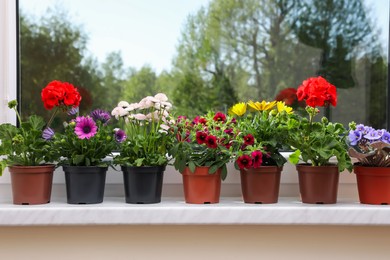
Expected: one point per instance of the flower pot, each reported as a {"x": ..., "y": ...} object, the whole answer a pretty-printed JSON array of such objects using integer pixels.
[
  {"x": 318, "y": 184},
  {"x": 31, "y": 184},
  {"x": 200, "y": 187},
  {"x": 85, "y": 184},
  {"x": 373, "y": 184},
  {"x": 143, "y": 185},
  {"x": 260, "y": 185}
]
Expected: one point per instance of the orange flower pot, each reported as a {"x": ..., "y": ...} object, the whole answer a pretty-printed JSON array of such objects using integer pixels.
[
  {"x": 200, "y": 187},
  {"x": 261, "y": 185},
  {"x": 31, "y": 184},
  {"x": 373, "y": 184},
  {"x": 318, "y": 184}
]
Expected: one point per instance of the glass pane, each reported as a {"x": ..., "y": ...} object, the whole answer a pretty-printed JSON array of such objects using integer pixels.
[{"x": 207, "y": 54}]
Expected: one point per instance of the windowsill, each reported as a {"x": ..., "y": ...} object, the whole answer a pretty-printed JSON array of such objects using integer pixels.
[{"x": 174, "y": 211}]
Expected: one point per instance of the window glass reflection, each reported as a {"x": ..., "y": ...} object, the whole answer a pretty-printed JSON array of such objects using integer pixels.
[{"x": 211, "y": 55}]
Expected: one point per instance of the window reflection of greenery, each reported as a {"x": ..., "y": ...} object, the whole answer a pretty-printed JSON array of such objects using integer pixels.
[{"x": 228, "y": 51}]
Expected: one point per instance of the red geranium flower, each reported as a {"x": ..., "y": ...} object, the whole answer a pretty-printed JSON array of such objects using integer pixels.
[
  {"x": 317, "y": 92},
  {"x": 219, "y": 116},
  {"x": 288, "y": 96},
  {"x": 249, "y": 140},
  {"x": 72, "y": 96},
  {"x": 211, "y": 141},
  {"x": 201, "y": 137},
  {"x": 244, "y": 161},
  {"x": 58, "y": 93},
  {"x": 257, "y": 158}
]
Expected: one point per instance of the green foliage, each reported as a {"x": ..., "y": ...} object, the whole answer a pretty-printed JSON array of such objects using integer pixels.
[
  {"x": 268, "y": 125},
  {"x": 147, "y": 126},
  {"x": 192, "y": 151},
  {"x": 75, "y": 151},
  {"x": 24, "y": 145},
  {"x": 317, "y": 142}
]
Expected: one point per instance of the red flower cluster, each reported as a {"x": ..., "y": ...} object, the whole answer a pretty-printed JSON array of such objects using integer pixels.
[
  {"x": 58, "y": 93},
  {"x": 317, "y": 92},
  {"x": 288, "y": 96},
  {"x": 254, "y": 160}
]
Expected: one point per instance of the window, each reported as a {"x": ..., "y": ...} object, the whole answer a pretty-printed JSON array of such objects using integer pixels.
[{"x": 208, "y": 54}]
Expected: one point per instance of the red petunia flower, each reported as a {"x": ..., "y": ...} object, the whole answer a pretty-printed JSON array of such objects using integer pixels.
[
  {"x": 220, "y": 117},
  {"x": 244, "y": 161},
  {"x": 257, "y": 158},
  {"x": 211, "y": 141},
  {"x": 249, "y": 140},
  {"x": 199, "y": 120},
  {"x": 201, "y": 137}
]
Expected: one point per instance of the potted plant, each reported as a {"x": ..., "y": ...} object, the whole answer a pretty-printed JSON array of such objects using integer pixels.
[
  {"x": 263, "y": 132},
  {"x": 84, "y": 145},
  {"x": 29, "y": 155},
  {"x": 203, "y": 147},
  {"x": 143, "y": 156},
  {"x": 371, "y": 147},
  {"x": 315, "y": 143}
]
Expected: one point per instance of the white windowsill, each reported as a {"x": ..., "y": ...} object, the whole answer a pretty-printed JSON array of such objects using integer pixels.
[{"x": 174, "y": 211}]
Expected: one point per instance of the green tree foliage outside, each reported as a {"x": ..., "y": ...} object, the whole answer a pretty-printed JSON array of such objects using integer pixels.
[{"x": 228, "y": 51}]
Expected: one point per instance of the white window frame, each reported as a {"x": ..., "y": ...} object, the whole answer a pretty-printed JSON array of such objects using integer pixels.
[{"x": 8, "y": 50}]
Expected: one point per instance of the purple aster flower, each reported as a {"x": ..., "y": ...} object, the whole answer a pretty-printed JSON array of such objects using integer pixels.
[
  {"x": 73, "y": 111},
  {"x": 85, "y": 127},
  {"x": 120, "y": 136},
  {"x": 354, "y": 136},
  {"x": 47, "y": 134},
  {"x": 372, "y": 135},
  {"x": 100, "y": 115},
  {"x": 386, "y": 137}
]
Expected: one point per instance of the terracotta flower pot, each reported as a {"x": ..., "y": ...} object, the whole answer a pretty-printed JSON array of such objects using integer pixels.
[
  {"x": 261, "y": 185},
  {"x": 373, "y": 184},
  {"x": 318, "y": 184},
  {"x": 31, "y": 184},
  {"x": 200, "y": 187}
]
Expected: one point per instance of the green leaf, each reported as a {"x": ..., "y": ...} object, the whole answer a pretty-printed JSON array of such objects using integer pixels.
[
  {"x": 77, "y": 159},
  {"x": 224, "y": 172},
  {"x": 192, "y": 166},
  {"x": 213, "y": 169},
  {"x": 3, "y": 165},
  {"x": 294, "y": 157}
]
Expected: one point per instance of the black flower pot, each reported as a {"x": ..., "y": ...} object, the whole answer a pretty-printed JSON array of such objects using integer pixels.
[
  {"x": 85, "y": 184},
  {"x": 143, "y": 185}
]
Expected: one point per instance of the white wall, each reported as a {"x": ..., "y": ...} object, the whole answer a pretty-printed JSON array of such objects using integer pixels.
[{"x": 195, "y": 242}]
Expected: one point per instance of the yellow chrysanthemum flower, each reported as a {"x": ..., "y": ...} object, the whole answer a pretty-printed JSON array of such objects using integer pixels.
[
  {"x": 238, "y": 109},
  {"x": 261, "y": 106},
  {"x": 282, "y": 107}
]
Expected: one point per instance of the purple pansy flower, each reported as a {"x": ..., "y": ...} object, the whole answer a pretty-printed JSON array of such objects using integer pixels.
[
  {"x": 101, "y": 115},
  {"x": 47, "y": 134},
  {"x": 85, "y": 127}
]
